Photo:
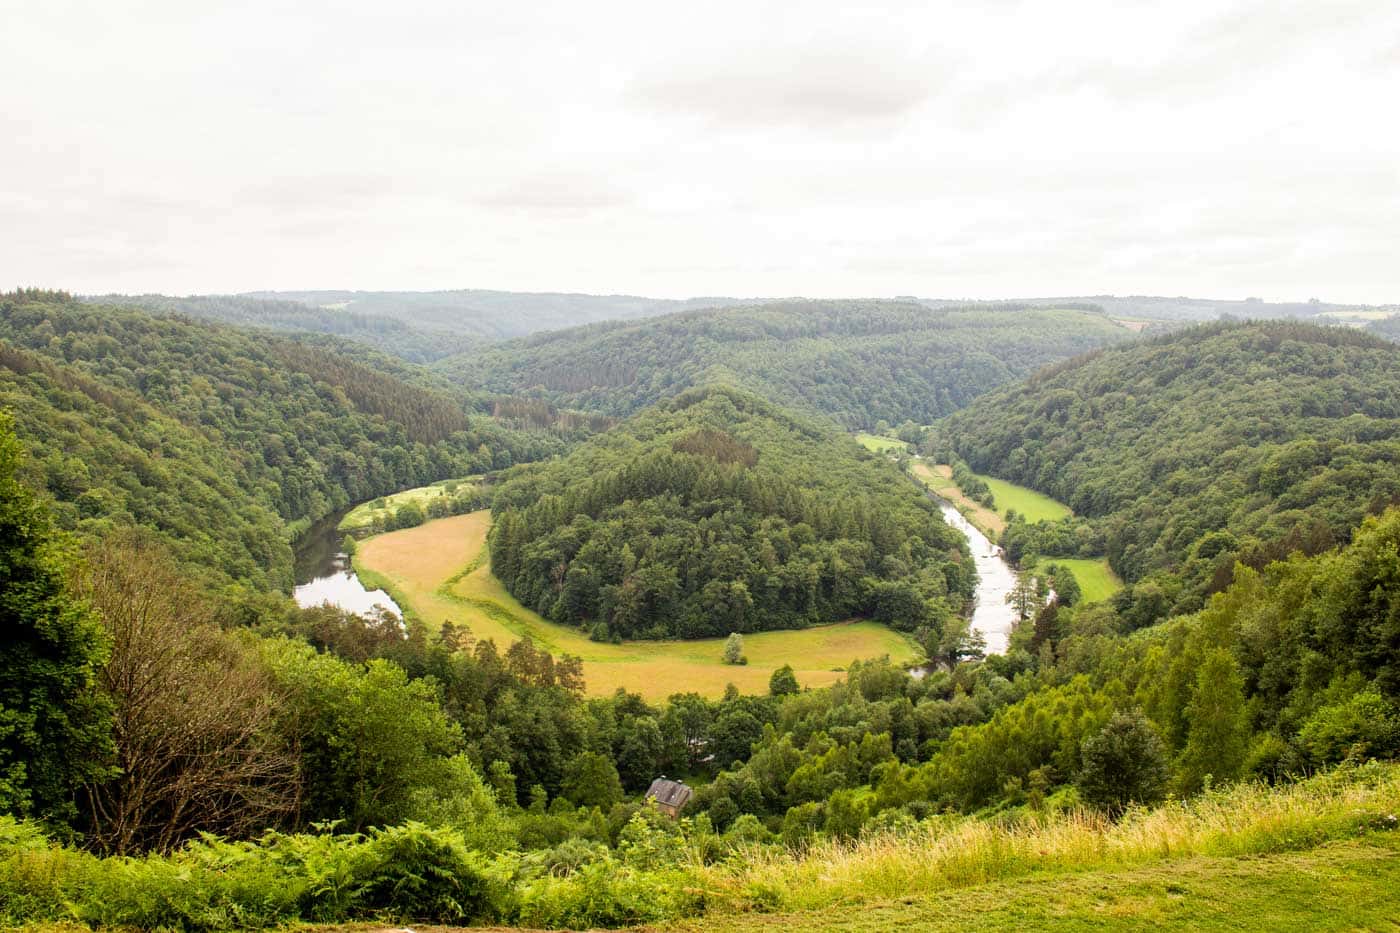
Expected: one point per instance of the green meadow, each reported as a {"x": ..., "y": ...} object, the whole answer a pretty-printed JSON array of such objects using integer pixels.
[
  {"x": 1034, "y": 506},
  {"x": 363, "y": 515},
  {"x": 1096, "y": 579},
  {"x": 880, "y": 444}
]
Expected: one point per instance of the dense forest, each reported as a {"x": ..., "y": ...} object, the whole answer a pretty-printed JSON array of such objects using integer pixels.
[
  {"x": 716, "y": 513},
  {"x": 180, "y": 755},
  {"x": 856, "y": 363},
  {"x": 484, "y": 315},
  {"x": 1187, "y": 453},
  {"x": 387, "y": 334},
  {"x": 224, "y": 440}
]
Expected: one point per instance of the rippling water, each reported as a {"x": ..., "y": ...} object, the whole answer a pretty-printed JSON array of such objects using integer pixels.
[{"x": 993, "y": 616}]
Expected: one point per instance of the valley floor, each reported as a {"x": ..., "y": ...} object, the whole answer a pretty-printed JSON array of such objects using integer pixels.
[{"x": 440, "y": 571}]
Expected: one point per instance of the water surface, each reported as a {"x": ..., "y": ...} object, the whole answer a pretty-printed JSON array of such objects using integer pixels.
[
  {"x": 992, "y": 615},
  {"x": 324, "y": 573}
]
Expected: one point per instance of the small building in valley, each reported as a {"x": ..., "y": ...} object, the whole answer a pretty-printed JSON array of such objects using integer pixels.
[{"x": 670, "y": 796}]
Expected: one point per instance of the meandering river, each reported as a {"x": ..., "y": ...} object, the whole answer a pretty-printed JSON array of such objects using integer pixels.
[
  {"x": 992, "y": 615},
  {"x": 324, "y": 573}
]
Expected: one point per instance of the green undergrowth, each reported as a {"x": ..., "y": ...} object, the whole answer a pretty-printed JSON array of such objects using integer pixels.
[{"x": 665, "y": 872}]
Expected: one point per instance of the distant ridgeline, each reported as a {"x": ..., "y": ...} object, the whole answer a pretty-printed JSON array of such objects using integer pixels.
[
  {"x": 417, "y": 326},
  {"x": 716, "y": 513},
  {"x": 224, "y": 440},
  {"x": 1189, "y": 452},
  {"x": 858, "y": 362}
]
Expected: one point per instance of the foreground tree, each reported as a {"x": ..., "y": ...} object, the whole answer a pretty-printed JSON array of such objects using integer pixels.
[
  {"x": 1218, "y": 736},
  {"x": 1123, "y": 764},
  {"x": 55, "y": 729},
  {"x": 196, "y": 745}
]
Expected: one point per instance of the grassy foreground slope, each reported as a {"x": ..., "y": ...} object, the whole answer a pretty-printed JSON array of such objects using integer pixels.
[
  {"x": 857, "y": 362},
  {"x": 1341, "y": 886},
  {"x": 1192, "y": 451},
  {"x": 440, "y": 572},
  {"x": 1323, "y": 854}
]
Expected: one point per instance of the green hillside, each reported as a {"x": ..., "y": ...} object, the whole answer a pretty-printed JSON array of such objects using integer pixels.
[
  {"x": 1189, "y": 452},
  {"x": 857, "y": 362},
  {"x": 223, "y": 440},
  {"x": 717, "y": 513}
]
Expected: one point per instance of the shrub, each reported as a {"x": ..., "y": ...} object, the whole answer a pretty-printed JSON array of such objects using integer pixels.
[{"x": 1123, "y": 764}]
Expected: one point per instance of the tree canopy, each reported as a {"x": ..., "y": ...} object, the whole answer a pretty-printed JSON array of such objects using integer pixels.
[
  {"x": 716, "y": 513},
  {"x": 856, "y": 362}
]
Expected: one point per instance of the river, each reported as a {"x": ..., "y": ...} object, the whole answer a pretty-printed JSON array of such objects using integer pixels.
[
  {"x": 992, "y": 616},
  {"x": 324, "y": 573}
]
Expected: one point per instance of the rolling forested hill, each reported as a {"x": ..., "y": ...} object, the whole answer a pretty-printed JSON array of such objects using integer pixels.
[
  {"x": 858, "y": 362},
  {"x": 483, "y": 314},
  {"x": 1192, "y": 451},
  {"x": 716, "y": 513},
  {"x": 387, "y": 334},
  {"x": 223, "y": 440}
]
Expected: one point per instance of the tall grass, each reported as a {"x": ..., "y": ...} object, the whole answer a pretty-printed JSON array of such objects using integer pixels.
[
  {"x": 958, "y": 852},
  {"x": 658, "y": 873}
]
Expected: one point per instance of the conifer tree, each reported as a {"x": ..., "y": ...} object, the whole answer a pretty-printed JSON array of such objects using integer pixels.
[{"x": 55, "y": 729}]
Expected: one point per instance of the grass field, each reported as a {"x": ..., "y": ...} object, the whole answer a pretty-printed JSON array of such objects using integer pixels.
[
  {"x": 440, "y": 571},
  {"x": 1096, "y": 579},
  {"x": 1343, "y": 886},
  {"x": 881, "y": 444},
  {"x": 1035, "y": 506},
  {"x": 939, "y": 478},
  {"x": 363, "y": 515}
]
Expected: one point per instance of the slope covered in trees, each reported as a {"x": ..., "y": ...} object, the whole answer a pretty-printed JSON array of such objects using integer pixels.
[
  {"x": 222, "y": 439},
  {"x": 858, "y": 362},
  {"x": 483, "y": 314},
  {"x": 388, "y": 334},
  {"x": 1189, "y": 452},
  {"x": 716, "y": 513}
]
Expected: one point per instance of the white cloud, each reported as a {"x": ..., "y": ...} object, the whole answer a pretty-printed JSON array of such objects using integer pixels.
[{"x": 756, "y": 148}]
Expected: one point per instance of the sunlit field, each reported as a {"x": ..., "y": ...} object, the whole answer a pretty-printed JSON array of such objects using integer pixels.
[
  {"x": 1095, "y": 578},
  {"x": 1034, "y": 506},
  {"x": 439, "y": 571},
  {"x": 364, "y": 514},
  {"x": 882, "y": 445}
]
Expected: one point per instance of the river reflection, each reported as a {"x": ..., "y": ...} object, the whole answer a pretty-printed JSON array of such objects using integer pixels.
[{"x": 324, "y": 574}]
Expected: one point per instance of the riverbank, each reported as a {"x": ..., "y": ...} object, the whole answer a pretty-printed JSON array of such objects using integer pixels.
[
  {"x": 440, "y": 571},
  {"x": 1096, "y": 579}
]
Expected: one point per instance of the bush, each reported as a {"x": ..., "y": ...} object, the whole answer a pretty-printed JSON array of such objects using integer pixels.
[
  {"x": 1123, "y": 764},
  {"x": 409, "y": 872},
  {"x": 1364, "y": 725}
]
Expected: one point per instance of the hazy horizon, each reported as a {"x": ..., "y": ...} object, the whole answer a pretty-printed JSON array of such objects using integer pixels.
[{"x": 757, "y": 150}]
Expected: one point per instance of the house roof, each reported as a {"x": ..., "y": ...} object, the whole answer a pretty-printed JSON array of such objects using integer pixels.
[{"x": 671, "y": 793}]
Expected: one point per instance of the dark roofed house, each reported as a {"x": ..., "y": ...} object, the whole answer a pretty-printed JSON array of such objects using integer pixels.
[{"x": 670, "y": 796}]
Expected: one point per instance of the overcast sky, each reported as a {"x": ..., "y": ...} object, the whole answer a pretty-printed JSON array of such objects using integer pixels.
[{"x": 988, "y": 149}]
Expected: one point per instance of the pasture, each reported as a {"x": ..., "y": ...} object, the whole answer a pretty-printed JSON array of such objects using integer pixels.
[
  {"x": 362, "y": 516},
  {"x": 878, "y": 443},
  {"x": 1096, "y": 579},
  {"x": 1034, "y": 506},
  {"x": 440, "y": 571}
]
